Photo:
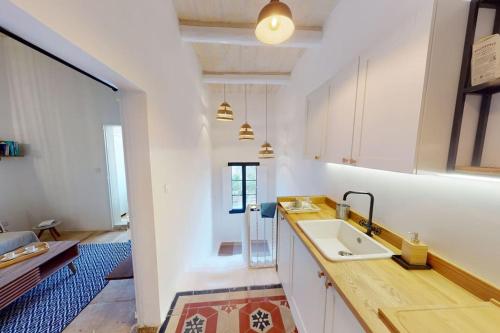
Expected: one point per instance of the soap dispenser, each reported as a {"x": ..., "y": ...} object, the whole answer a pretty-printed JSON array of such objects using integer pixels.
[{"x": 414, "y": 252}]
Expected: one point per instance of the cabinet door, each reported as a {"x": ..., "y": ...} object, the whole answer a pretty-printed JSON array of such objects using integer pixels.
[
  {"x": 317, "y": 108},
  {"x": 308, "y": 291},
  {"x": 339, "y": 318},
  {"x": 340, "y": 118},
  {"x": 284, "y": 254},
  {"x": 391, "y": 89}
]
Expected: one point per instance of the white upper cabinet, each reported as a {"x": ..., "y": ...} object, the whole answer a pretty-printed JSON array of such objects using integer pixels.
[
  {"x": 317, "y": 108},
  {"x": 391, "y": 85},
  {"x": 392, "y": 109},
  {"x": 340, "y": 115}
]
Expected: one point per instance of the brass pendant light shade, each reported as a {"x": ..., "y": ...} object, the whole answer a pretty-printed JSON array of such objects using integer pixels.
[
  {"x": 266, "y": 150},
  {"x": 225, "y": 112},
  {"x": 246, "y": 131},
  {"x": 275, "y": 24}
]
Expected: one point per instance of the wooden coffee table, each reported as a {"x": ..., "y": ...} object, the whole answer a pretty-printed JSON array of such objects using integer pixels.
[{"x": 17, "y": 279}]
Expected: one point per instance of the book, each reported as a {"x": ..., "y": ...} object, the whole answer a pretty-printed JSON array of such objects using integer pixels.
[
  {"x": 10, "y": 148},
  {"x": 485, "y": 65}
]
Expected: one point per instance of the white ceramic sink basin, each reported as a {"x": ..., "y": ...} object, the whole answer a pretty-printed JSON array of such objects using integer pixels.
[{"x": 339, "y": 241}]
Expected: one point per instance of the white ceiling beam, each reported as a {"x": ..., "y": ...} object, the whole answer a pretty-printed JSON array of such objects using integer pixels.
[
  {"x": 246, "y": 78},
  {"x": 245, "y": 35}
]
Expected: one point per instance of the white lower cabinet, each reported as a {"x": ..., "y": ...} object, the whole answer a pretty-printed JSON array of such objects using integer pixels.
[
  {"x": 316, "y": 307},
  {"x": 308, "y": 291},
  {"x": 284, "y": 259},
  {"x": 338, "y": 317}
]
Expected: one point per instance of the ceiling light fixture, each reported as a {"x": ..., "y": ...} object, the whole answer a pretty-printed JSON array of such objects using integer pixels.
[
  {"x": 225, "y": 112},
  {"x": 246, "y": 131},
  {"x": 266, "y": 150},
  {"x": 275, "y": 24}
]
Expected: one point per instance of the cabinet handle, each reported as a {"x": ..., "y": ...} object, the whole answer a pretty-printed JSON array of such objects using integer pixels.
[
  {"x": 320, "y": 274},
  {"x": 349, "y": 161},
  {"x": 328, "y": 284}
]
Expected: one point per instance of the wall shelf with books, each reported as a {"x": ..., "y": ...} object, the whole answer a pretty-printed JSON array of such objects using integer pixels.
[{"x": 10, "y": 149}]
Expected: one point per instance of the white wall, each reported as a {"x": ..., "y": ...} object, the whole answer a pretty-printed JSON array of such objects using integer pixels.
[
  {"x": 59, "y": 115},
  {"x": 457, "y": 217},
  {"x": 143, "y": 45},
  {"x": 226, "y": 147}
]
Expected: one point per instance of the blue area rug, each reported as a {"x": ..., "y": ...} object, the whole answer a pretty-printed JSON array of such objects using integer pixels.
[{"x": 53, "y": 304}]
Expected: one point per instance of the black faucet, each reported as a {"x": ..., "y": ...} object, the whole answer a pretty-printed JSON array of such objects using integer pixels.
[{"x": 370, "y": 228}]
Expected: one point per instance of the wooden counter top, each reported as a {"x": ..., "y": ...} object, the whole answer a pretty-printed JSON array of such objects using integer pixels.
[
  {"x": 369, "y": 285},
  {"x": 483, "y": 317}
]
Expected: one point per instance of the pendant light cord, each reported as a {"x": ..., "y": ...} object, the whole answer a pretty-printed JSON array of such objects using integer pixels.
[
  {"x": 266, "y": 112},
  {"x": 246, "y": 120},
  {"x": 224, "y": 92}
]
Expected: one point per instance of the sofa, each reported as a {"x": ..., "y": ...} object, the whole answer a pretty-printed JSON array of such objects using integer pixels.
[{"x": 12, "y": 240}]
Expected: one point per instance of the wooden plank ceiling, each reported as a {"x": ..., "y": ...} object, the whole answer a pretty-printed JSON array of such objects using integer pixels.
[
  {"x": 309, "y": 13},
  {"x": 246, "y": 59},
  {"x": 228, "y": 58}
]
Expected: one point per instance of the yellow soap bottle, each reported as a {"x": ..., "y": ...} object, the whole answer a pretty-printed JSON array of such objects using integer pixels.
[{"x": 414, "y": 252}]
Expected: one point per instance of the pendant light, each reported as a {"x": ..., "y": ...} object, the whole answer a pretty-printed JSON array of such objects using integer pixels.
[
  {"x": 225, "y": 112},
  {"x": 275, "y": 24},
  {"x": 266, "y": 150},
  {"x": 246, "y": 131}
]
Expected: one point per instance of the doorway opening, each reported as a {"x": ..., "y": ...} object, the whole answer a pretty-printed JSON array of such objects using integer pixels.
[{"x": 117, "y": 180}]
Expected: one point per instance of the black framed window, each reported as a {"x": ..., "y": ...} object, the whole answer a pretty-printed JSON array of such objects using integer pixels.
[{"x": 243, "y": 185}]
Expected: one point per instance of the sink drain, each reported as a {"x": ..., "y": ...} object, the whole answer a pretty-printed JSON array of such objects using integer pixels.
[{"x": 345, "y": 253}]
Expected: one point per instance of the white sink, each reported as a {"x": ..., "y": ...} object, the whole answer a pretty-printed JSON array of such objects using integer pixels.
[{"x": 339, "y": 241}]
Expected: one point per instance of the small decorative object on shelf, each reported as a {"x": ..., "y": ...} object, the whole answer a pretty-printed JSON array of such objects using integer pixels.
[{"x": 10, "y": 149}]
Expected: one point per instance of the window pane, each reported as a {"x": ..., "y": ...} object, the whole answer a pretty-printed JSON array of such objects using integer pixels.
[
  {"x": 251, "y": 187},
  {"x": 236, "y": 173},
  {"x": 251, "y": 199},
  {"x": 237, "y": 187},
  {"x": 237, "y": 202},
  {"x": 251, "y": 172}
]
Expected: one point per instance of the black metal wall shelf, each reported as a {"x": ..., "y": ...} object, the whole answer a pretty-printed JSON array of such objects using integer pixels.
[
  {"x": 485, "y": 90},
  {"x": 491, "y": 87}
]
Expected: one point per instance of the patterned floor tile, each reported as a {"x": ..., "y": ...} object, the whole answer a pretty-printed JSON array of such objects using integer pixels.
[
  {"x": 249, "y": 311},
  {"x": 198, "y": 300}
]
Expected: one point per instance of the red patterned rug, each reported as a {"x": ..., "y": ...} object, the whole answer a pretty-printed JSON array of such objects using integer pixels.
[{"x": 243, "y": 311}]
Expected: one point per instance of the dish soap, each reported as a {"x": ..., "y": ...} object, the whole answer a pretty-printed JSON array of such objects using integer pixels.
[{"x": 414, "y": 252}]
